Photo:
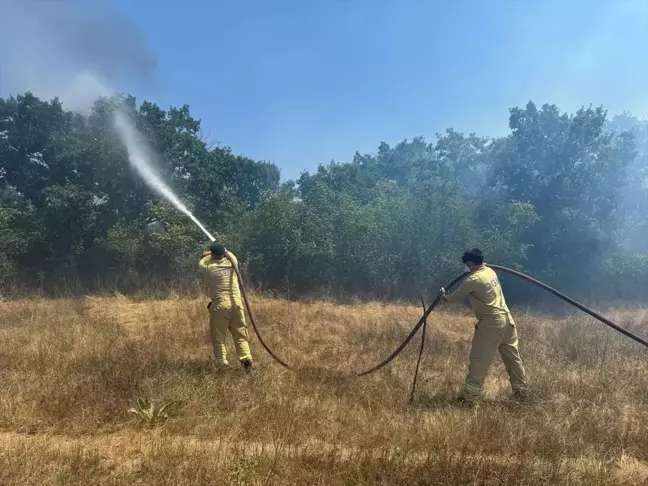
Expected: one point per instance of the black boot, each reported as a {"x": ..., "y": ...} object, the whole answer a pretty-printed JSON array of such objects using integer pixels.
[{"x": 247, "y": 365}]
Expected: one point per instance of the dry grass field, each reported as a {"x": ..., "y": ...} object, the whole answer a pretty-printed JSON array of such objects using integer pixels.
[{"x": 71, "y": 369}]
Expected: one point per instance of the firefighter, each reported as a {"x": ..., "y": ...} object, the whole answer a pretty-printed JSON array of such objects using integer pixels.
[
  {"x": 225, "y": 309},
  {"x": 495, "y": 329}
]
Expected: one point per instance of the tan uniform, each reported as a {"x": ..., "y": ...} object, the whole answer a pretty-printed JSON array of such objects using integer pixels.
[
  {"x": 495, "y": 330},
  {"x": 226, "y": 310}
]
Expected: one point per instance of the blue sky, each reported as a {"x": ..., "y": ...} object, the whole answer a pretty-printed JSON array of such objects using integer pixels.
[{"x": 303, "y": 82}]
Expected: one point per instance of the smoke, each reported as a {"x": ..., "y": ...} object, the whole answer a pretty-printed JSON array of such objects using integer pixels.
[
  {"x": 77, "y": 50},
  {"x": 61, "y": 47}
]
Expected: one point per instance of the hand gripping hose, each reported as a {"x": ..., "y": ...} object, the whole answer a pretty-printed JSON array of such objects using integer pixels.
[
  {"x": 250, "y": 313},
  {"x": 521, "y": 275}
]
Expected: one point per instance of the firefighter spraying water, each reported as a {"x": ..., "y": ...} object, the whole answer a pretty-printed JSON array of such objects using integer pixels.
[
  {"x": 225, "y": 308},
  {"x": 217, "y": 265}
]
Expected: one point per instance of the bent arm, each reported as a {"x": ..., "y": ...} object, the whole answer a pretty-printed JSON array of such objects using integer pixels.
[
  {"x": 204, "y": 262},
  {"x": 462, "y": 292}
]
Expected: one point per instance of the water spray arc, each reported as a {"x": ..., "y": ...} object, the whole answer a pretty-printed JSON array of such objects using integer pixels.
[{"x": 139, "y": 160}]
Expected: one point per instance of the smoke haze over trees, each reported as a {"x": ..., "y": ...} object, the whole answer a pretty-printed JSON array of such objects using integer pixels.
[{"x": 563, "y": 197}]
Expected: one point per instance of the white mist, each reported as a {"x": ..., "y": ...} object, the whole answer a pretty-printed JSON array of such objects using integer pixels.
[
  {"x": 85, "y": 89},
  {"x": 139, "y": 160}
]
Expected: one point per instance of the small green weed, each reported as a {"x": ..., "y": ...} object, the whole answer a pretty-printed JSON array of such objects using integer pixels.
[{"x": 149, "y": 412}]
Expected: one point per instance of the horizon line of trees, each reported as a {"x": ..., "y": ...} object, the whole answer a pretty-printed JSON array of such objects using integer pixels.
[{"x": 563, "y": 197}]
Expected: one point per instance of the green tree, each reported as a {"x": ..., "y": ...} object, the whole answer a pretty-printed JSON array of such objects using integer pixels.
[{"x": 572, "y": 172}]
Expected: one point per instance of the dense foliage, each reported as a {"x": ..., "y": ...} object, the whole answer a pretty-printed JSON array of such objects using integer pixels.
[{"x": 563, "y": 197}]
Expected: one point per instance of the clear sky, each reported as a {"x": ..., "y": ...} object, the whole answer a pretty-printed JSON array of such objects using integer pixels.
[{"x": 302, "y": 82}]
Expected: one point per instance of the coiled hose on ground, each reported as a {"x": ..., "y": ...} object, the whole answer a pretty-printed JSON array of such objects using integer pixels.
[{"x": 427, "y": 312}]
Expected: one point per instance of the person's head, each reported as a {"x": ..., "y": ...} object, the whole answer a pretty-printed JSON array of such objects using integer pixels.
[
  {"x": 473, "y": 259},
  {"x": 217, "y": 250}
]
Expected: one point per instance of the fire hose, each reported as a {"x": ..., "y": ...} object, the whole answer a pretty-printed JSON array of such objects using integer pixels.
[
  {"x": 523, "y": 276},
  {"x": 427, "y": 312},
  {"x": 251, "y": 314},
  {"x": 420, "y": 356}
]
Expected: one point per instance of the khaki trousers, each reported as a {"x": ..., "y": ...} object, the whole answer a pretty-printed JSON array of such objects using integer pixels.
[
  {"x": 232, "y": 319},
  {"x": 494, "y": 334}
]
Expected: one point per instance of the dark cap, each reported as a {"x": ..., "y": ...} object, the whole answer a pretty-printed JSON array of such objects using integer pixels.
[
  {"x": 473, "y": 256},
  {"x": 217, "y": 249}
]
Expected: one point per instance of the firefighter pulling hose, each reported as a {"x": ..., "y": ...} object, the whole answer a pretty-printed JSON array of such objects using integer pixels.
[
  {"x": 521, "y": 275},
  {"x": 495, "y": 329}
]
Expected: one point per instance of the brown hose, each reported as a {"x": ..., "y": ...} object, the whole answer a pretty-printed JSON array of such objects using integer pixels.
[
  {"x": 427, "y": 312},
  {"x": 397, "y": 351},
  {"x": 580, "y": 306},
  {"x": 249, "y": 309},
  {"x": 420, "y": 356}
]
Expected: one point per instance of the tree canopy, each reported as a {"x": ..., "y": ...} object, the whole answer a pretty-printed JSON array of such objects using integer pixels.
[{"x": 562, "y": 196}]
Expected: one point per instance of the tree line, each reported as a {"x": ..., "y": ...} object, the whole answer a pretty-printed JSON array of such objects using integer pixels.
[{"x": 563, "y": 197}]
